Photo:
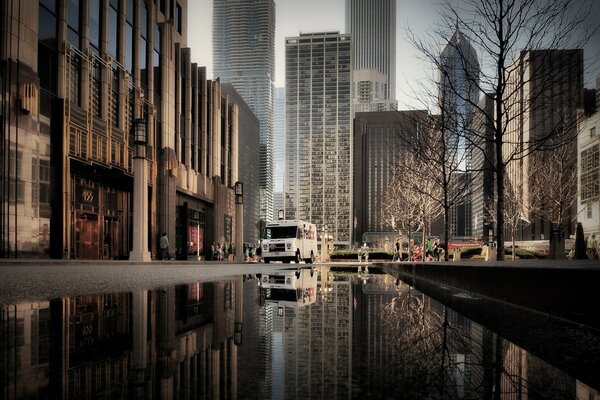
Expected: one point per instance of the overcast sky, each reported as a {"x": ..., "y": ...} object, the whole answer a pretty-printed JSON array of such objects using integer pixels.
[{"x": 295, "y": 16}]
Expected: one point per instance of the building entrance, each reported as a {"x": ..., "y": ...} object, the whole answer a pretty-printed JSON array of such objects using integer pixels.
[
  {"x": 86, "y": 236},
  {"x": 112, "y": 233}
]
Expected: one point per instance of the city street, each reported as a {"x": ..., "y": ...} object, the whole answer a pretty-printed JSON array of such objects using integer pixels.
[{"x": 42, "y": 280}]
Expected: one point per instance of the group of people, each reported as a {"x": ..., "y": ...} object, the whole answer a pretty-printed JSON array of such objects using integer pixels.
[
  {"x": 221, "y": 251},
  {"x": 433, "y": 251}
]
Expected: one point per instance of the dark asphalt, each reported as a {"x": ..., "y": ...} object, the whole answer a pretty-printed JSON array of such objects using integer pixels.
[{"x": 22, "y": 282}]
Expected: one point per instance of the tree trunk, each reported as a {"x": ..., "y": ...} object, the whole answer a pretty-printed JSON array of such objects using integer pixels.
[{"x": 512, "y": 233}]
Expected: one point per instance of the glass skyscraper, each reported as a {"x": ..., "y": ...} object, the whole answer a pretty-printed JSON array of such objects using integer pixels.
[
  {"x": 458, "y": 92},
  {"x": 244, "y": 55},
  {"x": 318, "y": 132}
]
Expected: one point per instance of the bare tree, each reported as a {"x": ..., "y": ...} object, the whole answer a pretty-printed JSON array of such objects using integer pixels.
[
  {"x": 554, "y": 193},
  {"x": 500, "y": 30},
  {"x": 514, "y": 212},
  {"x": 413, "y": 198}
]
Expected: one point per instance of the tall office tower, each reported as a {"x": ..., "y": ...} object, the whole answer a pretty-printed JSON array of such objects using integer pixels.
[
  {"x": 244, "y": 55},
  {"x": 279, "y": 150},
  {"x": 318, "y": 142},
  {"x": 372, "y": 25},
  {"x": 546, "y": 90},
  {"x": 458, "y": 91},
  {"x": 379, "y": 144},
  {"x": 484, "y": 179}
]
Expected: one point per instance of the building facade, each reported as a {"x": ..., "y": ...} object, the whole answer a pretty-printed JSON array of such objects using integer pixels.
[
  {"x": 248, "y": 158},
  {"x": 546, "y": 89},
  {"x": 588, "y": 160},
  {"x": 458, "y": 93},
  {"x": 369, "y": 88},
  {"x": 76, "y": 75},
  {"x": 372, "y": 25},
  {"x": 483, "y": 167},
  {"x": 279, "y": 151},
  {"x": 380, "y": 140},
  {"x": 244, "y": 55},
  {"x": 318, "y": 146}
]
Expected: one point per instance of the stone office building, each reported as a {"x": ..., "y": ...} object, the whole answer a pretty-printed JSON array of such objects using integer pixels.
[{"x": 75, "y": 75}]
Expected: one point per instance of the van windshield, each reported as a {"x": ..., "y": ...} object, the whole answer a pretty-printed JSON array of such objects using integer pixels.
[
  {"x": 281, "y": 232},
  {"x": 282, "y": 294}
]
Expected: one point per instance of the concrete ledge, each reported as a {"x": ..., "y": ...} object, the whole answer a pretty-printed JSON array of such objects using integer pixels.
[{"x": 564, "y": 289}]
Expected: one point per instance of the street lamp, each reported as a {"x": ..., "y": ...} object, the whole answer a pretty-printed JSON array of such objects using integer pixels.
[
  {"x": 239, "y": 221},
  {"x": 140, "y": 251}
]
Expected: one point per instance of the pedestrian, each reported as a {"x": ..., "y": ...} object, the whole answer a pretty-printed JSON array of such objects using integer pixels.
[
  {"x": 428, "y": 250},
  {"x": 436, "y": 249},
  {"x": 164, "y": 247},
  {"x": 397, "y": 253},
  {"x": 213, "y": 252}
]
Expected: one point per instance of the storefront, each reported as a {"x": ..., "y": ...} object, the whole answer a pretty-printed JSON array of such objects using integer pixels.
[
  {"x": 100, "y": 228},
  {"x": 191, "y": 231}
]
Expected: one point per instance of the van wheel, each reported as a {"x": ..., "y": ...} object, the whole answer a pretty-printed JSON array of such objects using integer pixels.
[
  {"x": 297, "y": 257},
  {"x": 266, "y": 260},
  {"x": 311, "y": 259}
]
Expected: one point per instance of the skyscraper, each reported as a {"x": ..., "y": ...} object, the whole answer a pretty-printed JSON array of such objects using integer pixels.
[
  {"x": 318, "y": 146},
  {"x": 279, "y": 150},
  {"x": 546, "y": 91},
  {"x": 379, "y": 144},
  {"x": 244, "y": 55},
  {"x": 458, "y": 92},
  {"x": 372, "y": 25}
]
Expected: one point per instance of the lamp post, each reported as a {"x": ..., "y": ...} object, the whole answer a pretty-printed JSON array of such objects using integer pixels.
[
  {"x": 324, "y": 246},
  {"x": 140, "y": 251},
  {"x": 239, "y": 221}
]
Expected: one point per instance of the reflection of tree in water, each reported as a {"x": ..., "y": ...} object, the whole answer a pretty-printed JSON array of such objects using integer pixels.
[
  {"x": 419, "y": 343},
  {"x": 436, "y": 357}
]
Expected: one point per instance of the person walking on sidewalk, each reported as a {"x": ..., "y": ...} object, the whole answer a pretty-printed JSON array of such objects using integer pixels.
[{"x": 164, "y": 247}]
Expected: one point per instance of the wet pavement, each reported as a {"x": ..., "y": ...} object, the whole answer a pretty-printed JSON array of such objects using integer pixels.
[{"x": 255, "y": 331}]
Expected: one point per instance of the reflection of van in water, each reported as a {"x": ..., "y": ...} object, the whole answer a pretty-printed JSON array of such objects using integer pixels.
[
  {"x": 292, "y": 240},
  {"x": 290, "y": 288}
]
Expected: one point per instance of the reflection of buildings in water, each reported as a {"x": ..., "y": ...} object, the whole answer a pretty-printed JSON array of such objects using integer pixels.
[
  {"x": 310, "y": 354},
  {"x": 254, "y": 383},
  {"x": 371, "y": 339},
  {"x": 25, "y": 350},
  {"x": 166, "y": 343}
]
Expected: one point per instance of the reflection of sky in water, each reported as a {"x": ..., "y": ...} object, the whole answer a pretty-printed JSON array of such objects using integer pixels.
[{"x": 364, "y": 335}]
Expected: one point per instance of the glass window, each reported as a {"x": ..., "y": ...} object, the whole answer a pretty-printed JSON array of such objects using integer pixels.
[
  {"x": 128, "y": 47},
  {"x": 143, "y": 20},
  {"x": 178, "y": 17},
  {"x": 48, "y": 74},
  {"x": 49, "y": 4},
  {"x": 142, "y": 61},
  {"x": 47, "y": 28},
  {"x": 113, "y": 31},
  {"x": 130, "y": 11},
  {"x": 73, "y": 15},
  {"x": 94, "y": 22},
  {"x": 157, "y": 76},
  {"x": 156, "y": 38}
]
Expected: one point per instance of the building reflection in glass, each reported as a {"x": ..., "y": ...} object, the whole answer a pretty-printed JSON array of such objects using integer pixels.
[{"x": 362, "y": 335}]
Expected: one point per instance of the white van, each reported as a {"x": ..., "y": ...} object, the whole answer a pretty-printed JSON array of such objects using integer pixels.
[
  {"x": 292, "y": 240},
  {"x": 290, "y": 288}
]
